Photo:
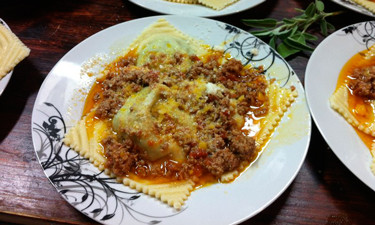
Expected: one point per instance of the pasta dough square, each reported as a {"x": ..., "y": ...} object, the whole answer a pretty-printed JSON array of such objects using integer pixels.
[
  {"x": 184, "y": 1},
  {"x": 12, "y": 50},
  {"x": 339, "y": 102},
  {"x": 367, "y": 4},
  {"x": 217, "y": 4}
]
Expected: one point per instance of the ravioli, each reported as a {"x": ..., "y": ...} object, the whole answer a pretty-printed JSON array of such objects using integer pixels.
[
  {"x": 184, "y": 1},
  {"x": 214, "y": 4},
  {"x": 217, "y": 4},
  {"x": 12, "y": 51},
  {"x": 339, "y": 102},
  {"x": 170, "y": 115},
  {"x": 163, "y": 38}
]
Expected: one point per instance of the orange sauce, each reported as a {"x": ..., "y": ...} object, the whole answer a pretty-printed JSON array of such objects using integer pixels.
[
  {"x": 358, "y": 107},
  {"x": 204, "y": 180},
  {"x": 90, "y": 123},
  {"x": 97, "y": 88}
]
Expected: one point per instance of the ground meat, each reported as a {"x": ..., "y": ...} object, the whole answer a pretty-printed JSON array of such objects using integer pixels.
[
  {"x": 109, "y": 107},
  {"x": 221, "y": 161},
  {"x": 230, "y": 71},
  {"x": 116, "y": 88},
  {"x": 185, "y": 139},
  {"x": 211, "y": 64},
  {"x": 139, "y": 76},
  {"x": 196, "y": 70},
  {"x": 162, "y": 62},
  {"x": 363, "y": 82},
  {"x": 208, "y": 69},
  {"x": 218, "y": 141},
  {"x": 249, "y": 83},
  {"x": 243, "y": 146},
  {"x": 193, "y": 168},
  {"x": 214, "y": 146},
  {"x": 120, "y": 158},
  {"x": 178, "y": 58},
  {"x": 128, "y": 61}
]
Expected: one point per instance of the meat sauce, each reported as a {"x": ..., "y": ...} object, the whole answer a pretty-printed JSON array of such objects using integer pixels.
[{"x": 165, "y": 170}]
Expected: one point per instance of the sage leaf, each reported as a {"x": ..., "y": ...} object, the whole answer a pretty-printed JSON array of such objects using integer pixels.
[
  {"x": 310, "y": 37},
  {"x": 262, "y": 33},
  {"x": 330, "y": 26},
  {"x": 324, "y": 27},
  {"x": 319, "y": 6},
  {"x": 272, "y": 42},
  {"x": 298, "y": 44},
  {"x": 310, "y": 10},
  {"x": 286, "y": 51},
  {"x": 260, "y": 23}
]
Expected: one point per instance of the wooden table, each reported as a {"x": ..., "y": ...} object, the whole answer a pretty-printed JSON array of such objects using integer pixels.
[{"x": 324, "y": 192}]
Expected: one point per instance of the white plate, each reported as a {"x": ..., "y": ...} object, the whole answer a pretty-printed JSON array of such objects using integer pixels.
[
  {"x": 355, "y": 7},
  {"x": 165, "y": 7},
  {"x": 321, "y": 76},
  {"x": 6, "y": 78},
  {"x": 60, "y": 101}
]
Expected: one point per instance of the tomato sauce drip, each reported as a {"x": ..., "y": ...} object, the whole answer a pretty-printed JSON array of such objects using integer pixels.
[{"x": 97, "y": 88}]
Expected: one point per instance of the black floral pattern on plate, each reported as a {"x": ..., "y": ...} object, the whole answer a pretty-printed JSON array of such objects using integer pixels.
[
  {"x": 365, "y": 36},
  {"x": 80, "y": 183},
  {"x": 251, "y": 49}
]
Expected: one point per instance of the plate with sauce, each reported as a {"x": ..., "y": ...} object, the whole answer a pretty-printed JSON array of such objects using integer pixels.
[
  {"x": 168, "y": 7},
  {"x": 59, "y": 106},
  {"x": 329, "y": 65}
]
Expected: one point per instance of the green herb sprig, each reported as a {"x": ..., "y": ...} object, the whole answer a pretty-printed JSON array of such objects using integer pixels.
[{"x": 290, "y": 35}]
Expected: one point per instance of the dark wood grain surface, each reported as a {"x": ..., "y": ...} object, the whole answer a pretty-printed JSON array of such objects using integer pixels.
[{"x": 324, "y": 191}]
